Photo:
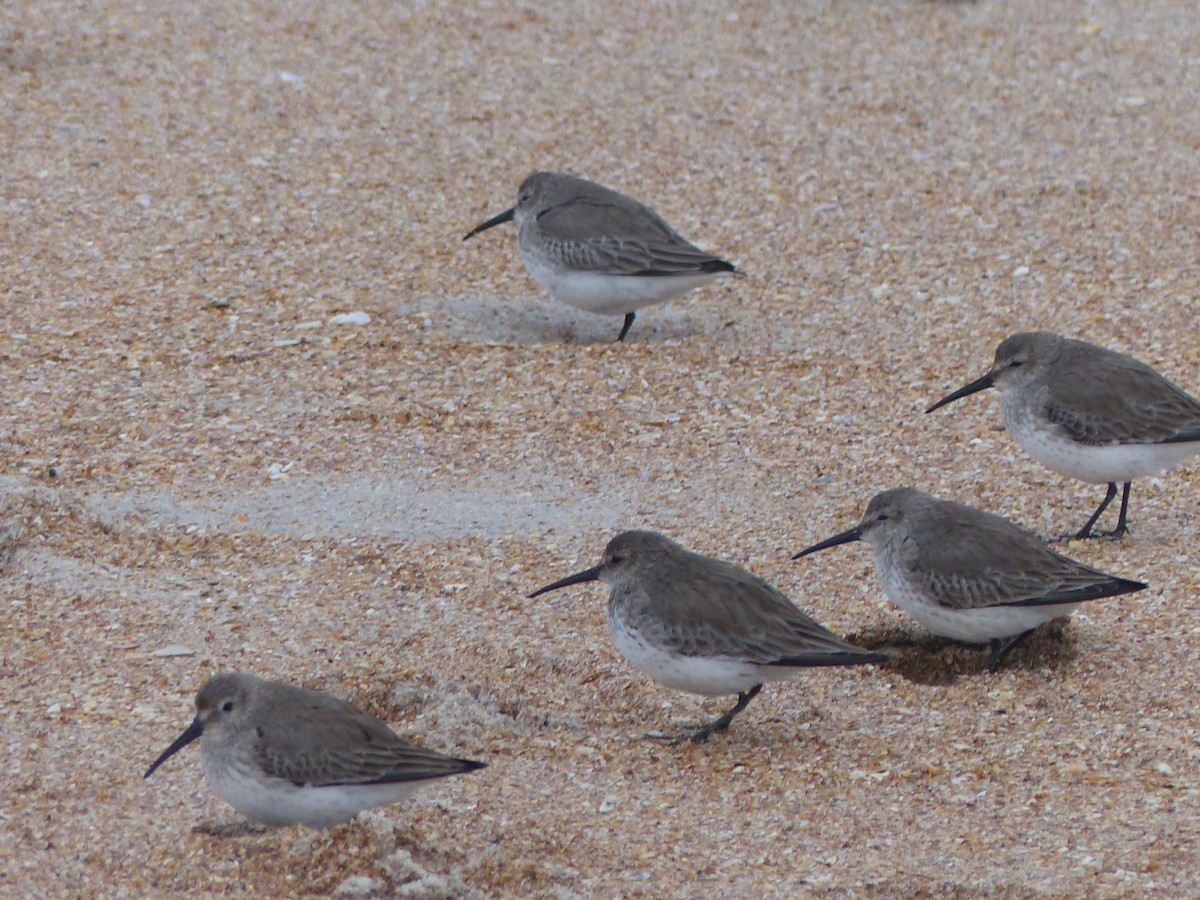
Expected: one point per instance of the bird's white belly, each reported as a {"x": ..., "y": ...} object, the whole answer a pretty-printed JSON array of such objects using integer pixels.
[
  {"x": 611, "y": 295},
  {"x": 973, "y": 626},
  {"x": 1095, "y": 464},
  {"x": 275, "y": 801},
  {"x": 711, "y": 676}
]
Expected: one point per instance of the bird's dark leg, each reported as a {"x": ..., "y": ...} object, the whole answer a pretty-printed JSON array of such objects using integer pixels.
[
  {"x": 707, "y": 731},
  {"x": 1086, "y": 530},
  {"x": 1001, "y": 649},
  {"x": 625, "y": 328},
  {"x": 1121, "y": 526}
]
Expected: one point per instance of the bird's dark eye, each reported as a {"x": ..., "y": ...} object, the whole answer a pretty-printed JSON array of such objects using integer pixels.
[
  {"x": 1016, "y": 364},
  {"x": 227, "y": 706},
  {"x": 524, "y": 198},
  {"x": 883, "y": 517},
  {"x": 618, "y": 557}
]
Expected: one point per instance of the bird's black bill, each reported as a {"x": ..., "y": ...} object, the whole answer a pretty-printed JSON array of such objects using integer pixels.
[
  {"x": 506, "y": 216},
  {"x": 193, "y": 731},
  {"x": 854, "y": 534},
  {"x": 578, "y": 578},
  {"x": 981, "y": 383}
]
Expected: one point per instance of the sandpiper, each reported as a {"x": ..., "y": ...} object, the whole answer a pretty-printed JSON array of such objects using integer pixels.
[
  {"x": 706, "y": 626},
  {"x": 1089, "y": 413},
  {"x": 283, "y": 755},
  {"x": 600, "y": 251},
  {"x": 970, "y": 575}
]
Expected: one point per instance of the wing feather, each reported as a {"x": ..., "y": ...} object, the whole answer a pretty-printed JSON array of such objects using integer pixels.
[
  {"x": 1131, "y": 404},
  {"x": 991, "y": 562},
  {"x": 348, "y": 747},
  {"x": 610, "y": 233},
  {"x": 719, "y": 609}
]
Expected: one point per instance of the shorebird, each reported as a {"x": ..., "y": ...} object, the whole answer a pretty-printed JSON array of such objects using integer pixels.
[
  {"x": 284, "y": 755},
  {"x": 1089, "y": 413},
  {"x": 970, "y": 575},
  {"x": 706, "y": 626},
  {"x": 600, "y": 251}
]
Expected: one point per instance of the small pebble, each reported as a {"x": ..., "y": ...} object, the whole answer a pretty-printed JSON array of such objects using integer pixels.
[
  {"x": 351, "y": 318},
  {"x": 174, "y": 650}
]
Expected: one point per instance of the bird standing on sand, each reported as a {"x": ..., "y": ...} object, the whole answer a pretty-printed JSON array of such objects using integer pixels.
[
  {"x": 284, "y": 755},
  {"x": 600, "y": 251},
  {"x": 1089, "y": 413},
  {"x": 706, "y": 626},
  {"x": 970, "y": 575}
]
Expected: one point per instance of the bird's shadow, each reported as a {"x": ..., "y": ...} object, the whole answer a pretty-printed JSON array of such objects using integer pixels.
[
  {"x": 923, "y": 658},
  {"x": 502, "y": 320}
]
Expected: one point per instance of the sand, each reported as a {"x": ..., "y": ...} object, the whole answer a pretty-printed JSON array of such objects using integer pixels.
[{"x": 203, "y": 470}]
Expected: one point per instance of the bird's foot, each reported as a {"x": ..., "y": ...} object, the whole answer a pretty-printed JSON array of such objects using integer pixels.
[
  {"x": 235, "y": 829},
  {"x": 1000, "y": 649},
  {"x": 1090, "y": 535},
  {"x": 698, "y": 736}
]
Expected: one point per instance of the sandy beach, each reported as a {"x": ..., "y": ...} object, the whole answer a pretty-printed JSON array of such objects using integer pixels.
[{"x": 265, "y": 411}]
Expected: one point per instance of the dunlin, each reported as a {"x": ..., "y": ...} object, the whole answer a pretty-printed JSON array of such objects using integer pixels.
[
  {"x": 283, "y": 755},
  {"x": 1089, "y": 413},
  {"x": 706, "y": 626},
  {"x": 600, "y": 251},
  {"x": 969, "y": 575}
]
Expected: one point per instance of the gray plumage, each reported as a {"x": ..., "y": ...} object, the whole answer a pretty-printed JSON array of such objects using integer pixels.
[
  {"x": 309, "y": 737},
  {"x": 967, "y": 574},
  {"x": 694, "y": 605},
  {"x": 590, "y": 228},
  {"x": 282, "y": 755},
  {"x": 1089, "y": 413},
  {"x": 1116, "y": 400},
  {"x": 600, "y": 251},
  {"x": 704, "y": 625},
  {"x": 966, "y": 558}
]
